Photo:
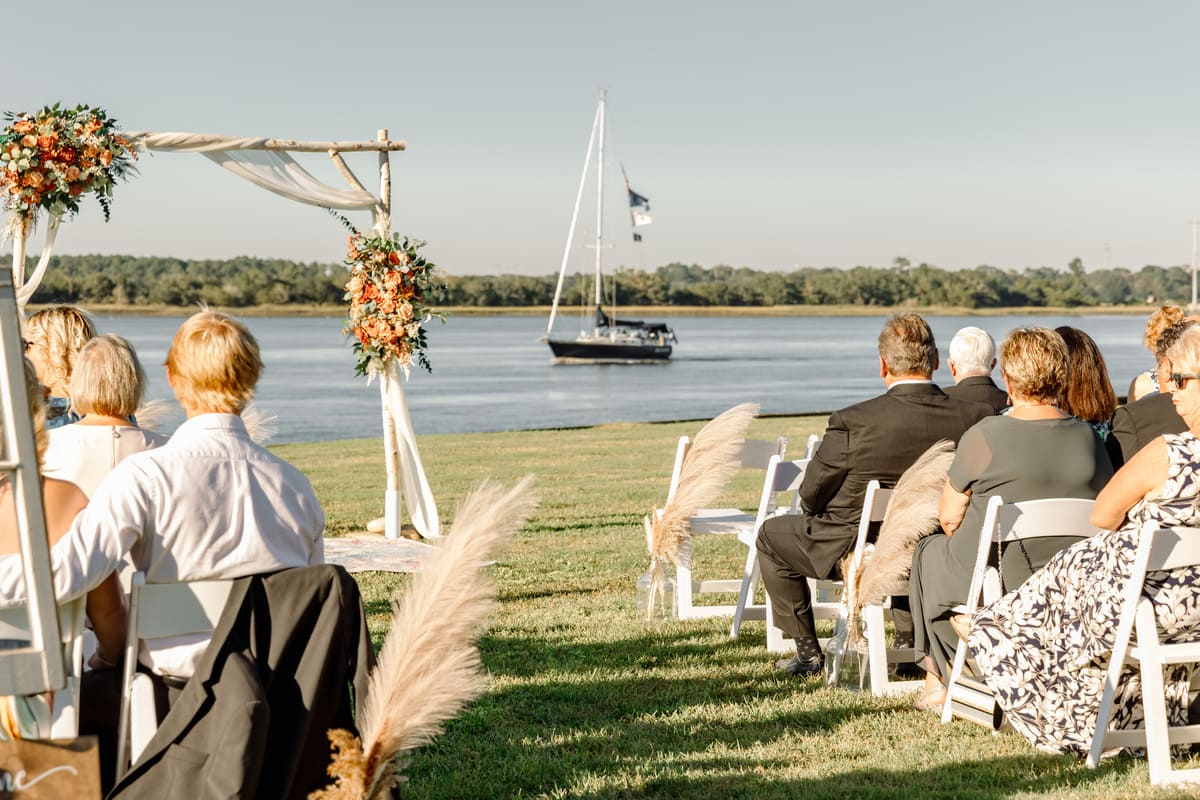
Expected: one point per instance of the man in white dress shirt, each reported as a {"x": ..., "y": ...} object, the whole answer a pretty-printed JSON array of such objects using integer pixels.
[{"x": 210, "y": 503}]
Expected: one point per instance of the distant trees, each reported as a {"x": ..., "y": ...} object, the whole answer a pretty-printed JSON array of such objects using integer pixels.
[{"x": 244, "y": 281}]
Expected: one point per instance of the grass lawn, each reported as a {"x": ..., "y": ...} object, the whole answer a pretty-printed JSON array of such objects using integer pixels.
[{"x": 587, "y": 701}]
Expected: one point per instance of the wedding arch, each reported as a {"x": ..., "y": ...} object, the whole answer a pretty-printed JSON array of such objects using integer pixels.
[{"x": 267, "y": 163}]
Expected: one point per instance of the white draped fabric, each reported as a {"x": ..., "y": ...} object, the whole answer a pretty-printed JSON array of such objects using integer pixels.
[
  {"x": 413, "y": 489},
  {"x": 278, "y": 172}
]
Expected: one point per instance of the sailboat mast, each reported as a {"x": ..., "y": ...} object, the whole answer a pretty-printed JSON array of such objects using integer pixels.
[
  {"x": 600, "y": 203},
  {"x": 562, "y": 270}
]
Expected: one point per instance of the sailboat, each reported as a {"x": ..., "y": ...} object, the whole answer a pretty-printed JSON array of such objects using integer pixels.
[{"x": 610, "y": 340}]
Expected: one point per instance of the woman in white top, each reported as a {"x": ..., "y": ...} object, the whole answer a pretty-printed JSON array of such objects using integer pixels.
[{"x": 107, "y": 385}]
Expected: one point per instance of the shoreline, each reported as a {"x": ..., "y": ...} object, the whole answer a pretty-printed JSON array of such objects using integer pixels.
[{"x": 339, "y": 311}]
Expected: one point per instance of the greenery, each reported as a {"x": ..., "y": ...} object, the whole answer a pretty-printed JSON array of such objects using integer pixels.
[
  {"x": 242, "y": 282},
  {"x": 587, "y": 701}
]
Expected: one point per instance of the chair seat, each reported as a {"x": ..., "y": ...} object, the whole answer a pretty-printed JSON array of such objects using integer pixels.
[{"x": 722, "y": 521}]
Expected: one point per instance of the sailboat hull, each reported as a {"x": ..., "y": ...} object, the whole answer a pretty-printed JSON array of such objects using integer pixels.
[{"x": 601, "y": 350}]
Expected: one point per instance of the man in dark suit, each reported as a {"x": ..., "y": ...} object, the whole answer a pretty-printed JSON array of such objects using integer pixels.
[
  {"x": 1138, "y": 423},
  {"x": 972, "y": 356},
  {"x": 874, "y": 440}
]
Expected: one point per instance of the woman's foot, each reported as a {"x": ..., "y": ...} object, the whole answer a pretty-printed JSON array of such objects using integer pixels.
[{"x": 962, "y": 625}]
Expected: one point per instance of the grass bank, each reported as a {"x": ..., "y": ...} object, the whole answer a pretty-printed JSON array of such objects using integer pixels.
[
  {"x": 339, "y": 311},
  {"x": 586, "y": 701}
]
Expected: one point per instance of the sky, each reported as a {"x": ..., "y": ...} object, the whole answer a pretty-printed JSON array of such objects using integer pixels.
[{"x": 772, "y": 135}]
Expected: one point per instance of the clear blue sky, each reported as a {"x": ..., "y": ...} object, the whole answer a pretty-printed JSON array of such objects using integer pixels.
[{"x": 766, "y": 134}]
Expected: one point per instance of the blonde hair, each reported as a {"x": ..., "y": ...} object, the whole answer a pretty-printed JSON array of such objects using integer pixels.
[
  {"x": 108, "y": 378},
  {"x": 1034, "y": 360},
  {"x": 213, "y": 363},
  {"x": 906, "y": 345},
  {"x": 1088, "y": 393},
  {"x": 58, "y": 333},
  {"x": 35, "y": 396},
  {"x": 1159, "y": 321}
]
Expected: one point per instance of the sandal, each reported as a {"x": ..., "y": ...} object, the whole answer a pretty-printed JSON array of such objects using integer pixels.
[{"x": 926, "y": 701}]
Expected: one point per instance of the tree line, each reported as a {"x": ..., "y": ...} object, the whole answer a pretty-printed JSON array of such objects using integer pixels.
[{"x": 245, "y": 281}]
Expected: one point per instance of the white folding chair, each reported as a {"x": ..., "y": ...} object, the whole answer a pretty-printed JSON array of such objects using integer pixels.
[
  {"x": 967, "y": 696},
  {"x": 14, "y": 623},
  {"x": 158, "y": 611},
  {"x": 879, "y": 655},
  {"x": 782, "y": 476},
  {"x": 756, "y": 454},
  {"x": 1159, "y": 549}
]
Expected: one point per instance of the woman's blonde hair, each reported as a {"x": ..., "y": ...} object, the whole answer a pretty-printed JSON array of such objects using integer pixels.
[
  {"x": 58, "y": 333},
  {"x": 35, "y": 395},
  {"x": 1159, "y": 321},
  {"x": 108, "y": 378},
  {"x": 1034, "y": 360},
  {"x": 1088, "y": 393},
  {"x": 1185, "y": 353},
  {"x": 213, "y": 363}
]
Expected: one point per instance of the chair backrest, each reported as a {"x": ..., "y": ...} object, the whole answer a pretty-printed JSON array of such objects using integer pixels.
[
  {"x": 875, "y": 505},
  {"x": 782, "y": 476},
  {"x": 15, "y": 624},
  {"x": 158, "y": 611},
  {"x": 754, "y": 454},
  {"x": 810, "y": 446},
  {"x": 1029, "y": 519}
]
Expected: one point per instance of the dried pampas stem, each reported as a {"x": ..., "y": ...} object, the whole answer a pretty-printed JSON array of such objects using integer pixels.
[
  {"x": 429, "y": 667},
  {"x": 711, "y": 461},
  {"x": 911, "y": 515}
]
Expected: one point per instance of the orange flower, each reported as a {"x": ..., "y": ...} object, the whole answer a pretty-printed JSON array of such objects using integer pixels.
[
  {"x": 73, "y": 173},
  {"x": 106, "y": 157},
  {"x": 22, "y": 126},
  {"x": 29, "y": 140},
  {"x": 75, "y": 189},
  {"x": 393, "y": 258}
]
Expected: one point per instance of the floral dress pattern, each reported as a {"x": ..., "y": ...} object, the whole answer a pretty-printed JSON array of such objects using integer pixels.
[{"x": 1044, "y": 648}]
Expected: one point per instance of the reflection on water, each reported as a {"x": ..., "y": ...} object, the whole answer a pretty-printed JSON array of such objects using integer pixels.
[{"x": 491, "y": 373}]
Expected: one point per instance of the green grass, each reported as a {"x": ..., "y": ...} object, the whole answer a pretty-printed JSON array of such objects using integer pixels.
[{"x": 587, "y": 701}]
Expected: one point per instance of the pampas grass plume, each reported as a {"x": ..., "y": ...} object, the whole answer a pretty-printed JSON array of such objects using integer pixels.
[{"x": 429, "y": 667}]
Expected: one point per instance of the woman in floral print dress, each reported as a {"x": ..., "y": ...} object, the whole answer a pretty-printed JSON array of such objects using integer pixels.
[{"x": 1044, "y": 648}]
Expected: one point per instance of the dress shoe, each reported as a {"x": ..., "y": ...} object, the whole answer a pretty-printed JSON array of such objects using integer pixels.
[{"x": 800, "y": 666}]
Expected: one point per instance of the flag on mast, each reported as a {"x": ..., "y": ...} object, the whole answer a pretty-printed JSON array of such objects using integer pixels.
[{"x": 638, "y": 206}]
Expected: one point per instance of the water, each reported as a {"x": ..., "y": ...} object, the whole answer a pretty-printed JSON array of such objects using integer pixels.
[{"x": 491, "y": 373}]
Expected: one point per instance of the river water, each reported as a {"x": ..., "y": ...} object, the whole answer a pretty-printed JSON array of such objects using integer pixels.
[{"x": 492, "y": 374}]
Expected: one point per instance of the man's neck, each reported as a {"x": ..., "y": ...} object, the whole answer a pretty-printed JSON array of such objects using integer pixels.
[{"x": 892, "y": 380}]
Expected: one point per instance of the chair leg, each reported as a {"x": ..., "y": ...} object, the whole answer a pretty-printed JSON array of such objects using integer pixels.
[
  {"x": 877, "y": 662},
  {"x": 683, "y": 589},
  {"x": 1154, "y": 701},
  {"x": 750, "y": 577}
]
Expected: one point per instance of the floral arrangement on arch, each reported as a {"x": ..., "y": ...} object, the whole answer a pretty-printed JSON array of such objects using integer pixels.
[
  {"x": 49, "y": 158},
  {"x": 389, "y": 289}
]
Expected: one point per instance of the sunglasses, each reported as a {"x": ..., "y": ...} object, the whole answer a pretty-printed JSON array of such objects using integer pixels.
[{"x": 1180, "y": 379}]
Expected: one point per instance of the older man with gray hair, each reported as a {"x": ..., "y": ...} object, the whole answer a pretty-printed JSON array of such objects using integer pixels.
[{"x": 972, "y": 356}]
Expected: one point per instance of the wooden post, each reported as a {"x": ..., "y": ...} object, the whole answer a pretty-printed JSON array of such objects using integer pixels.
[{"x": 391, "y": 450}]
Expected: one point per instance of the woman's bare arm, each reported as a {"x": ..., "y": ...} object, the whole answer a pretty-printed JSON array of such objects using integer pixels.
[
  {"x": 1142, "y": 475},
  {"x": 952, "y": 508},
  {"x": 106, "y": 610}
]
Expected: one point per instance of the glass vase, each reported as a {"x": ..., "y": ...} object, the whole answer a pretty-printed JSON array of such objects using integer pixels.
[
  {"x": 656, "y": 592},
  {"x": 846, "y": 657}
]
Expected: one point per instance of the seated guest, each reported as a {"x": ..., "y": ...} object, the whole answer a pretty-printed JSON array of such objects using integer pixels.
[
  {"x": 210, "y": 503},
  {"x": 1146, "y": 383},
  {"x": 874, "y": 440},
  {"x": 106, "y": 388},
  {"x": 1044, "y": 649},
  {"x": 972, "y": 355},
  {"x": 62, "y": 502},
  {"x": 1088, "y": 393},
  {"x": 1036, "y": 451},
  {"x": 1137, "y": 424},
  {"x": 53, "y": 336}
]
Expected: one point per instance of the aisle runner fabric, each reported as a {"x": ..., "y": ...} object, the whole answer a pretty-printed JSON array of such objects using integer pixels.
[{"x": 370, "y": 553}]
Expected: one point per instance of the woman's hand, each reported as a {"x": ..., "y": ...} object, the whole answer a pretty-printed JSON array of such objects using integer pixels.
[{"x": 952, "y": 507}]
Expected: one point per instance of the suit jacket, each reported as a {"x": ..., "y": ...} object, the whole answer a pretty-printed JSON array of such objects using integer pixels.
[
  {"x": 874, "y": 440},
  {"x": 1137, "y": 424},
  {"x": 980, "y": 389},
  {"x": 252, "y": 720}
]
